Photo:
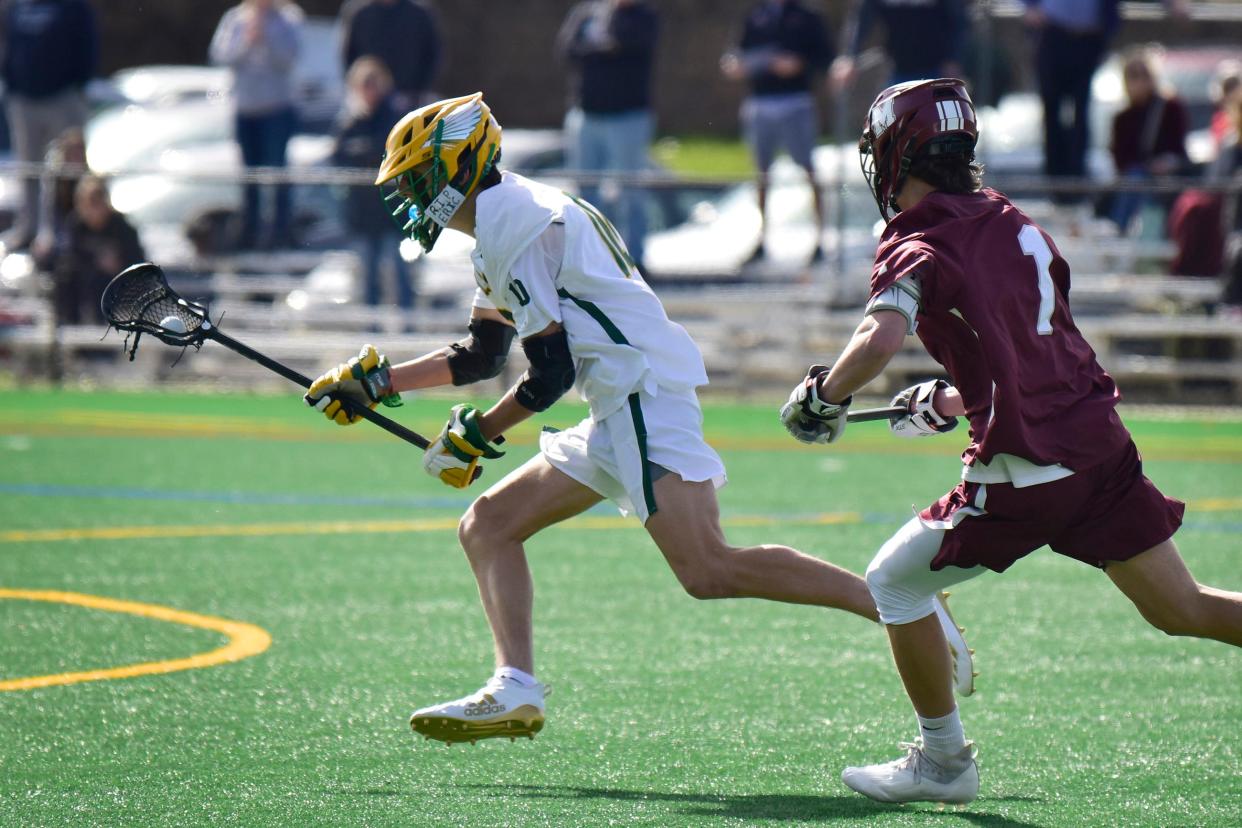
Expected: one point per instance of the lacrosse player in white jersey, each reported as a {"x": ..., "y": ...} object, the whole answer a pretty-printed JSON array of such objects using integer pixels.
[{"x": 554, "y": 273}]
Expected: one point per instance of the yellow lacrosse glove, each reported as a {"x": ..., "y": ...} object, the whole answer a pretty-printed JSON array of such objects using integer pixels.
[
  {"x": 454, "y": 454},
  {"x": 363, "y": 382}
]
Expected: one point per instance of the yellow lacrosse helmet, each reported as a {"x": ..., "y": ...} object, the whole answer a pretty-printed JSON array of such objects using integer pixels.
[{"x": 434, "y": 159}]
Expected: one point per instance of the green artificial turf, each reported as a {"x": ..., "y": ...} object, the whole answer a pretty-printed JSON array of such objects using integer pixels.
[{"x": 665, "y": 711}]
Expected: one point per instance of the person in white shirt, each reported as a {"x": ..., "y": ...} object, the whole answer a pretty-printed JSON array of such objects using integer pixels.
[{"x": 554, "y": 273}]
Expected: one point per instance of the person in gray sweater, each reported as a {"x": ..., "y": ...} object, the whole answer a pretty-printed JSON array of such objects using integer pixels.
[{"x": 258, "y": 40}]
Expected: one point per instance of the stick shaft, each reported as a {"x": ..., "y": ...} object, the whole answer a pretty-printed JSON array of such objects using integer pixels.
[
  {"x": 288, "y": 373},
  {"x": 868, "y": 414}
]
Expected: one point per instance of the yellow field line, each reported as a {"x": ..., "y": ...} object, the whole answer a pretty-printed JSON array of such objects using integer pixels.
[
  {"x": 1217, "y": 504},
  {"x": 218, "y": 530},
  {"x": 338, "y": 527},
  {"x": 245, "y": 640}
]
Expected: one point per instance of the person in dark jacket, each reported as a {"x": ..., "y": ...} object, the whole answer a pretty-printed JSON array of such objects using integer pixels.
[
  {"x": 404, "y": 34},
  {"x": 51, "y": 48},
  {"x": 610, "y": 123},
  {"x": 783, "y": 48},
  {"x": 369, "y": 115},
  {"x": 1072, "y": 36},
  {"x": 98, "y": 242},
  {"x": 924, "y": 39},
  {"x": 1148, "y": 136}
]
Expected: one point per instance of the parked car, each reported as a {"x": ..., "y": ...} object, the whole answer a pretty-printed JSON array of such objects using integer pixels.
[{"x": 318, "y": 79}]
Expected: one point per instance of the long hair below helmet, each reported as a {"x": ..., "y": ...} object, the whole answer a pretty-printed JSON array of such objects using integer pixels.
[{"x": 909, "y": 122}]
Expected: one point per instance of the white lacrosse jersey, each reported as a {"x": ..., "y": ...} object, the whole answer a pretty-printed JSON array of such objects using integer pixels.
[{"x": 542, "y": 256}]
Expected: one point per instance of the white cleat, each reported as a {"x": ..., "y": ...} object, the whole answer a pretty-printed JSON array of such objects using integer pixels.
[
  {"x": 962, "y": 656},
  {"x": 917, "y": 777},
  {"x": 503, "y": 707}
]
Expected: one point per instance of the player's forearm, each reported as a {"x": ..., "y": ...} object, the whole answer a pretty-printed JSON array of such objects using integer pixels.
[
  {"x": 429, "y": 371},
  {"x": 948, "y": 402},
  {"x": 503, "y": 416},
  {"x": 870, "y": 349}
]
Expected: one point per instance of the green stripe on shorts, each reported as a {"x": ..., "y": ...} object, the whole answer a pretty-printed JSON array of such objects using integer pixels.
[{"x": 640, "y": 429}]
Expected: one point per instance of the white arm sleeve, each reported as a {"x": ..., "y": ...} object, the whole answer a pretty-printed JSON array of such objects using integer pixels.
[
  {"x": 481, "y": 300},
  {"x": 901, "y": 296},
  {"x": 531, "y": 291}
]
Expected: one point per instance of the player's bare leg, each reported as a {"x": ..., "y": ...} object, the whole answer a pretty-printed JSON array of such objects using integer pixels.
[
  {"x": 922, "y": 657},
  {"x": 492, "y": 533},
  {"x": 1169, "y": 597},
  {"x": 761, "y": 196},
  {"x": 687, "y": 530},
  {"x": 939, "y": 766},
  {"x": 817, "y": 197}
]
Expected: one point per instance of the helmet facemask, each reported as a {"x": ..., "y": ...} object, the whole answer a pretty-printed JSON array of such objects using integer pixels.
[
  {"x": 871, "y": 170},
  {"x": 423, "y": 199}
]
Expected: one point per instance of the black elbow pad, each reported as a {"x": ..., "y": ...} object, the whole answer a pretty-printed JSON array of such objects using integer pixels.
[
  {"x": 482, "y": 355},
  {"x": 551, "y": 371}
]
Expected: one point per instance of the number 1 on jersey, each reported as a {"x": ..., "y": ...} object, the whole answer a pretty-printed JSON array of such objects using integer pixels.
[{"x": 1036, "y": 246}]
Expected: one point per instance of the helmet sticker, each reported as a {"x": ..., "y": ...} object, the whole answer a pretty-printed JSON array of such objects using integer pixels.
[
  {"x": 881, "y": 117},
  {"x": 443, "y": 206},
  {"x": 459, "y": 123},
  {"x": 951, "y": 117}
]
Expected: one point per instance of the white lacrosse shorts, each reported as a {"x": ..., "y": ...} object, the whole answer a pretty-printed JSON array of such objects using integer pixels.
[{"x": 622, "y": 456}]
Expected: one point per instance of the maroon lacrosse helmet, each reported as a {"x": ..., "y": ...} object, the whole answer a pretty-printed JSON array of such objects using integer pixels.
[{"x": 910, "y": 120}]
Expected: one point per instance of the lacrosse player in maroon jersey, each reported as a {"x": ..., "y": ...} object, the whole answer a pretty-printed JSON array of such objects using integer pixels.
[{"x": 1049, "y": 461}]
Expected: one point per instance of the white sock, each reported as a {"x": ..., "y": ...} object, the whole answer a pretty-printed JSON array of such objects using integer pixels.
[
  {"x": 520, "y": 676},
  {"x": 943, "y": 736}
]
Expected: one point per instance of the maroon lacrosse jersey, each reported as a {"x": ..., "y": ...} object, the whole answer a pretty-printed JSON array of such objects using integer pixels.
[{"x": 995, "y": 313}]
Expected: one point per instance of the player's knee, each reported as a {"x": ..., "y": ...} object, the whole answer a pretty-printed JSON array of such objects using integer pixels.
[
  {"x": 896, "y": 603},
  {"x": 705, "y": 587},
  {"x": 1175, "y": 619},
  {"x": 478, "y": 526},
  {"x": 708, "y": 580}
]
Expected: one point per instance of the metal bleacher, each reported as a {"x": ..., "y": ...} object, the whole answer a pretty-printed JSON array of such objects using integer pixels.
[
  {"x": 1156, "y": 334},
  {"x": 1150, "y": 332}
]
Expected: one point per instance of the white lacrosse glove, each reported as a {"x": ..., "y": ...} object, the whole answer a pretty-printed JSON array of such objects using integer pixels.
[
  {"x": 454, "y": 454},
  {"x": 922, "y": 420},
  {"x": 810, "y": 419}
]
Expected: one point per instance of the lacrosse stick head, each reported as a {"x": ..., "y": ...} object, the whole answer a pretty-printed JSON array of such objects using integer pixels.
[{"x": 140, "y": 301}]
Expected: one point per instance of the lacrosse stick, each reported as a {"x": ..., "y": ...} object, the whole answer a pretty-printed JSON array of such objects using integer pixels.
[
  {"x": 140, "y": 301},
  {"x": 866, "y": 415}
]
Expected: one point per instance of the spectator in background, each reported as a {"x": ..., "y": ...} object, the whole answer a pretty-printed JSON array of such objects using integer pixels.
[
  {"x": 51, "y": 48},
  {"x": 923, "y": 39},
  {"x": 259, "y": 40},
  {"x": 1072, "y": 36},
  {"x": 66, "y": 159},
  {"x": 1199, "y": 224},
  {"x": 370, "y": 113},
  {"x": 404, "y": 35},
  {"x": 610, "y": 122},
  {"x": 1226, "y": 91},
  {"x": 783, "y": 48},
  {"x": 97, "y": 244},
  {"x": 1226, "y": 167},
  {"x": 1148, "y": 136}
]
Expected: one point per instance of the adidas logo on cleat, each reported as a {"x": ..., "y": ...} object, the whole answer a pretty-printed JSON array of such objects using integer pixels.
[{"x": 483, "y": 709}]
